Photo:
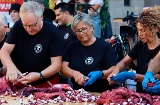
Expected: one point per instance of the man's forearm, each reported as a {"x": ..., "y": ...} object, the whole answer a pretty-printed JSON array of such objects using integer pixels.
[{"x": 52, "y": 69}]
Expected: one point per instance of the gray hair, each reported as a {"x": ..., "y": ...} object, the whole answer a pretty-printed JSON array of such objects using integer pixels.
[
  {"x": 83, "y": 17},
  {"x": 3, "y": 20},
  {"x": 33, "y": 7},
  {"x": 41, "y": 2}
]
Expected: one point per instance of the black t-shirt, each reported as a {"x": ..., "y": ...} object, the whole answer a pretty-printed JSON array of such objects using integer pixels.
[
  {"x": 67, "y": 34},
  {"x": 98, "y": 56},
  {"x": 32, "y": 53},
  {"x": 144, "y": 56},
  {"x": 46, "y": 19},
  {"x": 1, "y": 44}
]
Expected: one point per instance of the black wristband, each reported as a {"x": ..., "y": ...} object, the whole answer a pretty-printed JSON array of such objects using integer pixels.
[{"x": 41, "y": 76}]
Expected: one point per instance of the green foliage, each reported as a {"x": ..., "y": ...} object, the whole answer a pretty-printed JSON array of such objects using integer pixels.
[
  {"x": 46, "y": 3},
  {"x": 104, "y": 14}
]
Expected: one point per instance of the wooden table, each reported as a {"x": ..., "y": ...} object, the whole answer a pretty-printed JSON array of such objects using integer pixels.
[{"x": 24, "y": 101}]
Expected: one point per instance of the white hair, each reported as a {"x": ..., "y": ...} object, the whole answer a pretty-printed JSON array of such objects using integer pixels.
[
  {"x": 83, "y": 17},
  {"x": 33, "y": 7},
  {"x": 3, "y": 20}
]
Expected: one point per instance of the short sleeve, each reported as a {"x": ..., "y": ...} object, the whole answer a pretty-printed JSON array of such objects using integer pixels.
[
  {"x": 110, "y": 59},
  {"x": 56, "y": 42},
  {"x": 133, "y": 53}
]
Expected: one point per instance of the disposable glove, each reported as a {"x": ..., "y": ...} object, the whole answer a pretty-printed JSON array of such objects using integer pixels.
[
  {"x": 155, "y": 88},
  {"x": 123, "y": 76},
  {"x": 148, "y": 78},
  {"x": 93, "y": 76}
]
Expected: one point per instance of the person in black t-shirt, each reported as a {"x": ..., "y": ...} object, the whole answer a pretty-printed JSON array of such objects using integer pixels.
[
  {"x": 153, "y": 69},
  {"x": 144, "y": 50},
  {"x": 33, "y": 46},
  {"x": 3, "y": 35},
  {"x": 88, "y": 57},
  {"x": 64, "y": 17}
]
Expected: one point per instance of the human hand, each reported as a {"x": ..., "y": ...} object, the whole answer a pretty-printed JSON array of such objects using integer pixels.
[
  {"x": 29, "y": 78},
  {"x": 155, "y": 88},
  {"x": 93, "y": 76},
  {"x": 123, "y": 76},
  {"x": 79, "y": 77},
  {"x": 149, "y": 77},
  {"x": 114, "y": 72},
  {"x": 12, "y": 74}
]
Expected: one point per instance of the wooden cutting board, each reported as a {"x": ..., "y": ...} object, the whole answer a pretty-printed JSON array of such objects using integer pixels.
[{"x": 24, "y": 101}]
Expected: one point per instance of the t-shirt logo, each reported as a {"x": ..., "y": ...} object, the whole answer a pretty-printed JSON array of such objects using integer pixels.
[
  {"x": 38, "y": 48},
  {"x": 66, "y": 36},
  {"x": 89, "y": 60}
]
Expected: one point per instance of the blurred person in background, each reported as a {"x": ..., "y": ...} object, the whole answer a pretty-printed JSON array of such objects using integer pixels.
[
  {"x": 93, "y": 11},
  {"x": 14, "y": 13},
  {"x": 50, "y": 14},
  {"x": 59, "y": 1},
  {"x": 64, "y": 17}
]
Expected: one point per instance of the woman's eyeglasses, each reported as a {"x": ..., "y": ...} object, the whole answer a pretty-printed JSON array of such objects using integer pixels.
[{"x": 82, "y": 30}]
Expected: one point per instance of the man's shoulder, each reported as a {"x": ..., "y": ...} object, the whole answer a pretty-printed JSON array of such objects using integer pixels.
[
  {"x": 18, "y": 27},
  {"x": 140, "y": 44},
  {"x": 19, "y": 22}
]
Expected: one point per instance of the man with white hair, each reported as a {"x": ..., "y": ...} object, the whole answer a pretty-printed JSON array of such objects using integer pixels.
[
  {"x": 3, "y": 35},
  {"x": 3, "y": 28},
  {"x": 33, "y": 49}
]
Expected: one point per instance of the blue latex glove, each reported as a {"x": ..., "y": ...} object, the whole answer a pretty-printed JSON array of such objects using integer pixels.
[
  {"x": 154, "y": 89},
  {"x": 149, "y": 77},
  {"x": 123, "y": 76},
  {"x": 93, "y": 76}
]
